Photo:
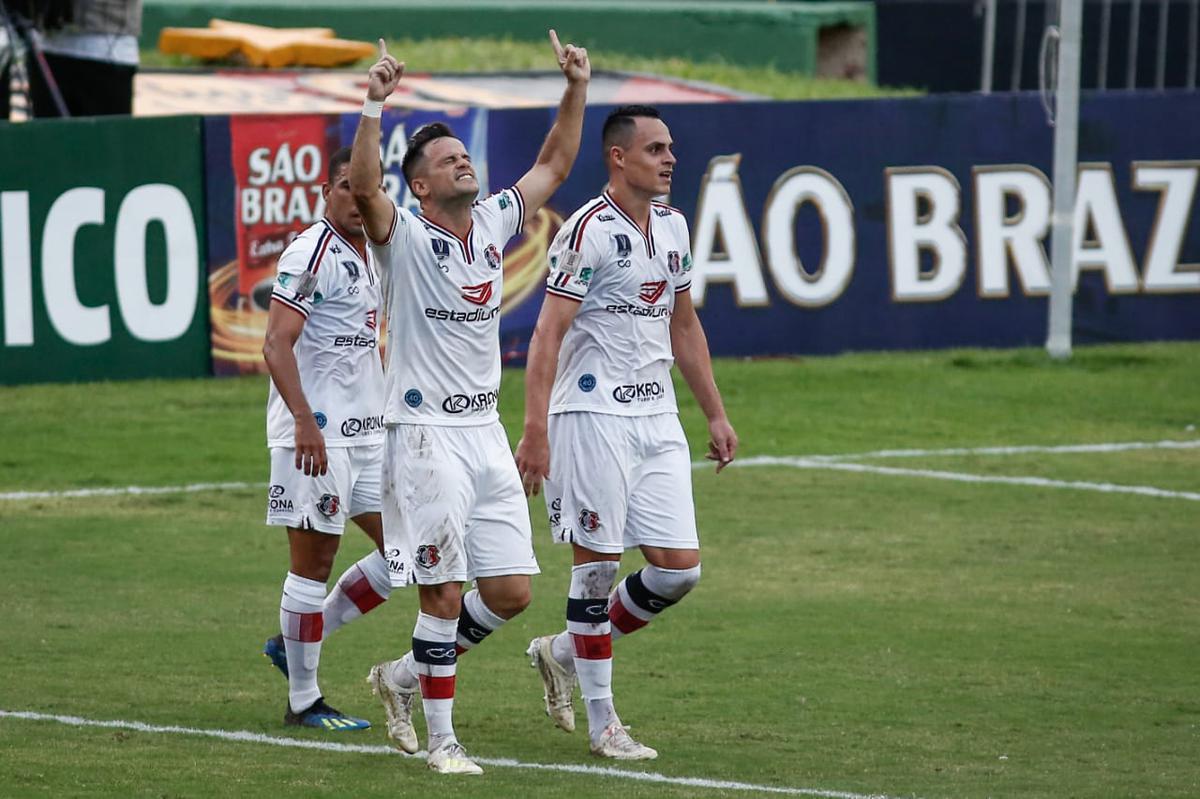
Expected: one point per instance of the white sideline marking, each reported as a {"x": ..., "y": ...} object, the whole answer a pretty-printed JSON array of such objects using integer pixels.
[
  {"x": 113, "y": 492},
  {"x": 244, "y": 736},
  {"x": 801, "y": 462},
  {"x": 962, "y": 477},
  {"x": 1023, "y": 450}
]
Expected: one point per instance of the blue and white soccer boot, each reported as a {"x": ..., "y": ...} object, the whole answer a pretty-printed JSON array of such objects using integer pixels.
[
  {"x": 323, "y": 717},
  {"x": 274, "y": 651}
]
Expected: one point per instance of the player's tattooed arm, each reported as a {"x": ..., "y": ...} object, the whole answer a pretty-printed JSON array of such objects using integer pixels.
[
  {"x": 366, "y": 173},
  {"x": 690, "y": 347},
  {"x": 558, "y": 152},
  {"x": 284, "y": 326}
]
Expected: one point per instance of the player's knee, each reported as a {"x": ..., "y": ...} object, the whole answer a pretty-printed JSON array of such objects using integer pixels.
[
  {"x": 673, "y": 584},
  {"x": 511, "y": 602}
]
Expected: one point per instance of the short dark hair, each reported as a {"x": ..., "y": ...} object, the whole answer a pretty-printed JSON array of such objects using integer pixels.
[
  {"x": 618, "y": 127},
  {"x": 416, "y": 146},
  {"x": 342, "y": 156}
]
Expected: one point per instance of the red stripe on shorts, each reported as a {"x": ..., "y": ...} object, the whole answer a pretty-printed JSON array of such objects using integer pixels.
[
  {"x": 622, "y": 619},
  {"x": 592, "y": 647},
  {"x": 437, "y": 687}
]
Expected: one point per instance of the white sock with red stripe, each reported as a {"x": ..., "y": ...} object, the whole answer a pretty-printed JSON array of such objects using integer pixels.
[
  {"x": 363, "y": 587},
  {"x": 436, "y": 660},
  {"x": 590, "y": 631},
  {"x": 302, "y": 624},
  {"x": 643, "y": 595}
]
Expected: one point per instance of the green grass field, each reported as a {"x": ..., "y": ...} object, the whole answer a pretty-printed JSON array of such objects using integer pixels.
[{"x": 857, "y": 632}]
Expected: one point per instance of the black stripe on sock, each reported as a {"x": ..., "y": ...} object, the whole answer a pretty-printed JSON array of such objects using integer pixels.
[
  {"x": 469, "y": 628},
  {"x": 434, "y": 653},
  {"x": 587, "y": 611},
  {"x": 643, "y": 597}
]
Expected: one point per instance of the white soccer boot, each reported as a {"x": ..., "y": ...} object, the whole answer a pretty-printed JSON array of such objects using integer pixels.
[
  {"x": 451, "y": 758},
  {"x": 615, "y": 743},
  {"x": 398, "y": 706},
  {"x": 558, "y": 682}
]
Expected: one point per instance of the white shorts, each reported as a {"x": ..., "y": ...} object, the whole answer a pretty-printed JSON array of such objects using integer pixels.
[
  {"x": 452, "y": 498},
  {"x": 348, "y": 488},
  {"x": 619, "y": 482}
]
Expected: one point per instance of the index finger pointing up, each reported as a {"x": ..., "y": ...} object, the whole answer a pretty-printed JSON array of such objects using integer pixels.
[
  {"x": 558, "y": 49},
  {"x": 382, "y": 49}
]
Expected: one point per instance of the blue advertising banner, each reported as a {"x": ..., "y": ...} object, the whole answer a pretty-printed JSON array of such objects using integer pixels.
[
  {"x": 821, "y": 227},
  {"x": 817, "y": 227}
]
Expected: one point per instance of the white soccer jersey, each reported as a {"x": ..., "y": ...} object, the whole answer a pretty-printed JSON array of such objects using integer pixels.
[
  {"x": 444, "y": 314},
  {"x": 321, "y": 276},
  {"x": 616, "y": 356}
]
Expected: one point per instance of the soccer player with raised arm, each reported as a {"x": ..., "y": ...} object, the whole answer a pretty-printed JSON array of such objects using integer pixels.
[
  {"x": 325, "y": 434},
  {"x": 601, "y": 425},
  {"x": 452, "y": 496}
]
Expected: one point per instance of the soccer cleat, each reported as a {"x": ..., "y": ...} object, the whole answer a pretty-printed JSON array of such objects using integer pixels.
[
  {"x": 559, "y": 684},
  {"x": 615, "y": 743},
  {"x": 323, "y": 717},
  {"x": 451, "y": 758},
  {"x": 398, "y": 707},
  {"x": 274, "y": 651}
]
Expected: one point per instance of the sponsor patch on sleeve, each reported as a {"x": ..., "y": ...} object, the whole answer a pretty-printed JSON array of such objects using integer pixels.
[{"x": 570, "y": 261}]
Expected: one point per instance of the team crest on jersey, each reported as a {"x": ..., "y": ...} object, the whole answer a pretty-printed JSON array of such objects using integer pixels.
[
  {"x": 371, "y": 316},
  {"x": 589, "y": 520},
  {"x": 673, "y": 262},
  {"x": 624, "y": 245},
  {"x": 479, "y": 294},
  {"x": 441, "y": 248},
  {"x": 492, "y": 256},
  {"x": 652, "y": 291},
  {"x": 328, "y": 504},
  {"x": 428, "y": 556}
]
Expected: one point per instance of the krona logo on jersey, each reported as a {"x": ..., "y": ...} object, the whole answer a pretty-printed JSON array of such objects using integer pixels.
[
  {"x": 642, "y": 392},
  {"x": 460, "y": 403}
]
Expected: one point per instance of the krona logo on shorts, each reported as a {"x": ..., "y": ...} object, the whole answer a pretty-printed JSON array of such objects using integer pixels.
[
  {"x": 328, "y": 504},
  {"x": 480, "y": 294},
  {"x": 275, "y": 491},
  {"x": 428, "y": 556},
  {"x": 352, "y": 427},
  {"x": 642, "y": 392},
  {"x": 460, "y": 403},
  {"x": 652, "y": 291}
]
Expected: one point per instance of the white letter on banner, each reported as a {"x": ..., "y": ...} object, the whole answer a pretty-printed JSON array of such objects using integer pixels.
[
  {"x": 1162, "y": 272},
  {"x": 260, "y": 166},
  {"x": 16, "y": 265},
  {"x": 1019, "y": 238},
  {"x": 397, "y": 145},
  {"x": 1098, "y": 239},
  {"x": 724, "y": 246},
  {"x": 308, "y": 154},
  {"x": 74, "y": 322},
  {"x": 156, "y": 202},
  {"x": 808, "y": 184},
  {"x": 910, "y": 231}
]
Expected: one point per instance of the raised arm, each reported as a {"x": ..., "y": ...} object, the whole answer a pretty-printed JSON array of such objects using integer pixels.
[
  {"x": 366, "y": 178},
  {"x": 690, "y": 347},
  {"x": 533, "y": 451},
  {"x": 558, "y": 152}
]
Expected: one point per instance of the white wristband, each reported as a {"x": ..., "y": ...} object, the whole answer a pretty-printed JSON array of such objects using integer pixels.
[{"x": 372, "y": 108}]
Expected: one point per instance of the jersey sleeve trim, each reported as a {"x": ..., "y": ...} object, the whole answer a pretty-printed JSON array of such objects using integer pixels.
[
  {"x": 520, "y": 204},
  {"x": 292, "y": 304},
  {"x": 683, "y": 287},
  {"x": 387, "y": 240},
  {"x": 563, "y": 293}
]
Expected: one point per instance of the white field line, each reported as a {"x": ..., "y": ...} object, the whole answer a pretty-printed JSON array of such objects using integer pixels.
[
  {"x": 1024, "y": 450},
  {"x": 800, "y": 462},
  {"x": 243, "y": 736},
  {"x": 962, "y": 477}
]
